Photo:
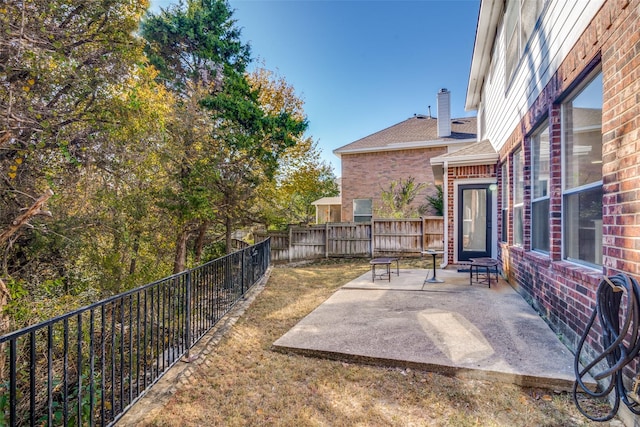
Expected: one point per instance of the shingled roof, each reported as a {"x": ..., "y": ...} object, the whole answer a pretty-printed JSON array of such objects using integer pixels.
[
  {"x": 475, "y": 153},
  {"x": 415, "y": 132},
  {"x": 480, "y": 153}
]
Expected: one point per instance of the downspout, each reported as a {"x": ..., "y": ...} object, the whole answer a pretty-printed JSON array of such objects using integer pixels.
[{"x": 445, "y": 211}]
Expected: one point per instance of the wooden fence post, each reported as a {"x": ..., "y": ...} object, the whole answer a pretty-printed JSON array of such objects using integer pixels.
[
  {"x": 421, "y": 235},
  {"x": 371, "y": 246},
  {"x": 326, "y": 240},
  {"x": 290, "y": 246}
]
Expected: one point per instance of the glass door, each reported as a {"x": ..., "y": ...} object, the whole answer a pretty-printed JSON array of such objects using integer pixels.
[{"x": 474, "y": 221}]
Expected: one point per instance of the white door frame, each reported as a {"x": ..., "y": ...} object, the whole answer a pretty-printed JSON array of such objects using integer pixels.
[{"x": 493, "y": 189}]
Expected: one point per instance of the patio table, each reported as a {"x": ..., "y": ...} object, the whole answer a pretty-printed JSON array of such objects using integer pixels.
[
  {"x": 483, "y": 277},
  {"x": 387, "y": 263},
  {"x": 433, "y": 252}
]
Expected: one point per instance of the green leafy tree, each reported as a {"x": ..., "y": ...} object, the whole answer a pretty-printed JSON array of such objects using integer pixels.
[
  {"x": 436, "y": 202},
  {"x": 397, "y": 199},
  {"x": 194, "y": 43},
  {"x": 255, "y": 139},
  {"x": 193, "y": 46},
  {"x": 302, "y": 178},
  {"x": 224, "y": 143}
]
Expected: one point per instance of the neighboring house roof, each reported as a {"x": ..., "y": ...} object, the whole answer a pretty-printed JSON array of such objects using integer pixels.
[
  {"x": 480, "y": 153},
  {"x": 328, "y": 201},
  {"x": 415, "y": 132}
]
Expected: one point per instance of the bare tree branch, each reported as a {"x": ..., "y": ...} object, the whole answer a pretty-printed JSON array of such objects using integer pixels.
[{"x": 22, "y": 220}]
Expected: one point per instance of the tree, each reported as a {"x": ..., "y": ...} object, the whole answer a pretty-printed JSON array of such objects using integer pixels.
[
  {"x": 301, "y": 176},
  {"x": 255, "y": 139},
  {"x": 301, "y": 179},
  {"x": 107, "y": 234},
  {"x": 196, "y": 47},
  {"x": 436, "y": 202},
  {"x": 122, "y": 191},
  {"x": 59, "y": 62},
  {"x": 397, "y": 199},
  {"x": 193, "y": 46}
]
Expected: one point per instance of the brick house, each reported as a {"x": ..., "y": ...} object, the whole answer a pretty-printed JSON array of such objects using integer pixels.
[
  {"x": 396, "y": 153},
  {"x": 556, "y": 85}
]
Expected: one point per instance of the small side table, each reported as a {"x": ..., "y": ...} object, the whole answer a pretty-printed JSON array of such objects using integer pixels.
[
  {"x": 387, "y": 263},
  {"x": 483, "y": 277},
  {"x": 433, "y": 253}
]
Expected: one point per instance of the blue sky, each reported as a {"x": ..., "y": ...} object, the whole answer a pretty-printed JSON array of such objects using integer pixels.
[{"x": 362, "y": 65}]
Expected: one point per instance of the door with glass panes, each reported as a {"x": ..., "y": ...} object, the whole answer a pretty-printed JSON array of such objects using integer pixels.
[{"x": 474, "y": 221}]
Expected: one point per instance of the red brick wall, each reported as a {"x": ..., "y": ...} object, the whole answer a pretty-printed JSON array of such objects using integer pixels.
[
  {"x": 564, "y": 292},
  {"x": 366, "y": 175}
]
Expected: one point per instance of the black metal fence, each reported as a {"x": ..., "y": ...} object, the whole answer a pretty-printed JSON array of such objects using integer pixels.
[{"x": 89, "y": 366}]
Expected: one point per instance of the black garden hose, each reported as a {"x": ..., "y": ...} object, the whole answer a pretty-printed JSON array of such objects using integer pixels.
[{"x": 614, "y": 336}]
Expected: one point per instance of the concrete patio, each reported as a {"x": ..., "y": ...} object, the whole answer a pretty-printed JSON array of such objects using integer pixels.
[{"x": 451, "y": 328}]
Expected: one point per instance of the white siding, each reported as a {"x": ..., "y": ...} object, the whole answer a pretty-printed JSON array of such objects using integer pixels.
[{"x": 505, "y": 102}]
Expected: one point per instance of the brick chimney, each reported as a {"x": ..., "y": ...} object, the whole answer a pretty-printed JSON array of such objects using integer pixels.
[{"x": 444, "y": 113}]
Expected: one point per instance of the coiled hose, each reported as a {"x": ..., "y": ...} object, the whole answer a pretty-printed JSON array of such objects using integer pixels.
[{"x": 620, "y": 343}]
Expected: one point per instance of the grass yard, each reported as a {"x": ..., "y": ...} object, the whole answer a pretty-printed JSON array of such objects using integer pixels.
[{"x": 246, "y": 383}]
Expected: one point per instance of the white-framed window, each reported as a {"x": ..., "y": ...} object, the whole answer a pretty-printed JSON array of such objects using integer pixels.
[
  {"x": 518, "y": 197},
  {"x": 540, "y": 175},
  {"x": 362, "y": 210},
  {"x": 504, "y": 194},
  {"x": 520, "y": 19},
  {"x": 582, "y": 173}
]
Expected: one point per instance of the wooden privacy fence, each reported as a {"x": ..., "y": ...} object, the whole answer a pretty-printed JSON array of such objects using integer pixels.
[{"x": 357, "y": 239}]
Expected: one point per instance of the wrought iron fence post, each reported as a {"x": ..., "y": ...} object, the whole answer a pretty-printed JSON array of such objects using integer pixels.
[
  {"x": 188, "y": 316},
  {"x": 267, "y": 256},
  {"x": 242, "y": 273}
]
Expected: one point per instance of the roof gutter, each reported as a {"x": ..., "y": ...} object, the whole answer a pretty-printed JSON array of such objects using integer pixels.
[
  {"x": 488, "y": 17},
  {"x": 480, "y": 159},
  {"x": 404, "y": 146}
]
